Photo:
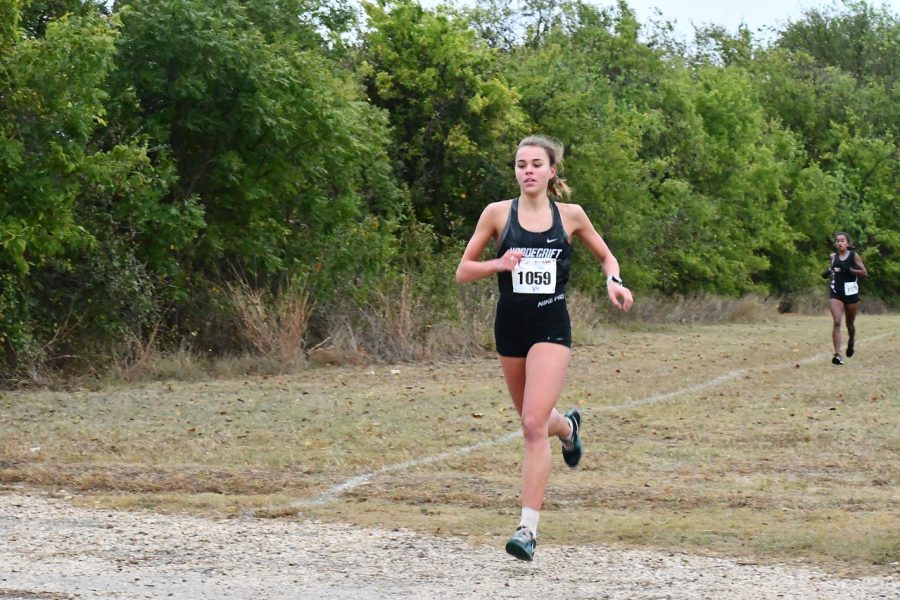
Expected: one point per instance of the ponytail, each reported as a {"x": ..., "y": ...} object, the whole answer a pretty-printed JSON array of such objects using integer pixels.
[{"x": 558, "y": 187}]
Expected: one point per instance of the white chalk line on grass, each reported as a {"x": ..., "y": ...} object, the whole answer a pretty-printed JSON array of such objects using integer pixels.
[
  {"x": 723, "y": 378},
  {"x": 334, "y": 492}
]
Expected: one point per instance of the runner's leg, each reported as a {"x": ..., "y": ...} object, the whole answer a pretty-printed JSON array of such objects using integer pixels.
[{"x": 837, "y": 315}]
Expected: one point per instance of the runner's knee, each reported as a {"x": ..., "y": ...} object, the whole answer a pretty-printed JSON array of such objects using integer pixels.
[{"x": 534, "y": 427}]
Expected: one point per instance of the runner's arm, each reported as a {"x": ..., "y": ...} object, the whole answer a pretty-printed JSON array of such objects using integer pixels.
[
  {"x": 470, "y": 267},
  {"x": 860, "y": 270},
  {"x": 619, "y": 295}
]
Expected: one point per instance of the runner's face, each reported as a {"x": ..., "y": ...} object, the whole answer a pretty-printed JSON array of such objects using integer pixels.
[
  {"x": 533, "y": 170},
  {"x": 841, "y": 243}
]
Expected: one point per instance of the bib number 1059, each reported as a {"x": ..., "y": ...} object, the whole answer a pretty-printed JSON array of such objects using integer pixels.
[{"x": 535, "y": 276}]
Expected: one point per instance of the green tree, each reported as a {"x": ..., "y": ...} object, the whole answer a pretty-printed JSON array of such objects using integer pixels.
[
  {"x": 67, "y": 222},
  {"x": 271, "y": 136},
  {"x": 312, "y": 24},
  {"x": 36, "y": 15},
  {"x": 859, "y": 39},
  {"x": 454, "y": 120},
  {"x": 9, "y": 22}
]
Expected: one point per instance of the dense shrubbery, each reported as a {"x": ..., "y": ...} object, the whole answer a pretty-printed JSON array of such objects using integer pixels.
[{"x": 158, "y": 156}]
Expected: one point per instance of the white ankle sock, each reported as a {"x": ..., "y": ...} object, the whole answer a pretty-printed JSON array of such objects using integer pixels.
[
  {"x": 571, "y": 435},
  {"x": 530, "y": 519}
]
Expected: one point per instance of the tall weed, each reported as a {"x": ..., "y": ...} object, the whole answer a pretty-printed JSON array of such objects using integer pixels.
[
  {"x": 273, "y": 324},
  {"x": 401, "y": 321}
]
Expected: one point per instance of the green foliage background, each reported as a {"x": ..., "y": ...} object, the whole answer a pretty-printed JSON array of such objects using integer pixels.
[{"x": 154, "y": 153}]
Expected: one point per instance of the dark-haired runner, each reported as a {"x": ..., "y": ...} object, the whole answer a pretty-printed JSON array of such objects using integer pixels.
[{"x": 845, "y": 268}]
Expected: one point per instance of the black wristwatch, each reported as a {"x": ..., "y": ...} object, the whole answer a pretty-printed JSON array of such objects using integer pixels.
[{"x": 615, "y": 278}]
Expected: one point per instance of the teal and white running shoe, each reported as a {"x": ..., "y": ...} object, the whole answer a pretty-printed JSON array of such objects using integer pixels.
[
  {"x": 522, "y": 543},
  {"x": 571, "y": 450}
]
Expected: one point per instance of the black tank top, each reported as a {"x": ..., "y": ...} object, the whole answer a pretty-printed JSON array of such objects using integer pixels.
[
  {"x": 553, "y": 243},
  {"x": 844, "y": 275}
]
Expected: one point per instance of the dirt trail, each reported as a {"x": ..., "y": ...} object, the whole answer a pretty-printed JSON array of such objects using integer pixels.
[{"x": 52, "y": 550}]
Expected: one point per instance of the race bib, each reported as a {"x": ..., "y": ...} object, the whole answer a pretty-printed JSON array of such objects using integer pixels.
[
  {"x": 534, "y": 276},
  {"x": 851, "y": 288}
]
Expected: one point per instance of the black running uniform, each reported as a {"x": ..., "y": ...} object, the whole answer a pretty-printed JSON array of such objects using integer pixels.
[
  {"x": 844, "y": 281},
  {"x": 532, "y": 306}
]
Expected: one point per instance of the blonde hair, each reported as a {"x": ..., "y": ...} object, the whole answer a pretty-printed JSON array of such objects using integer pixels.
[{"x": 554, "y": 148}]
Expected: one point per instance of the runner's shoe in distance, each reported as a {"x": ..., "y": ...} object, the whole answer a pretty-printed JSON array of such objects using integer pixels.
[
  {"x": 850, "y": 350},
  {"x": 571, "y": 451},
  {"x": 522, "y": 543},
  {"x": 836, "y": 360}
]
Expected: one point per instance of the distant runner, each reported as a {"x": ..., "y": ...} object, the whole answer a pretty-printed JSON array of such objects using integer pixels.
[{"x": 845, "y": 268}]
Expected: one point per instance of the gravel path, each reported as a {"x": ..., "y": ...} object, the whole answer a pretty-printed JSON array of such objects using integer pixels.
[{"x": 52, "y": 550}]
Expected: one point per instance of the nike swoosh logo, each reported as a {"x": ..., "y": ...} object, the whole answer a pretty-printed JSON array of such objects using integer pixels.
[{"x": 551, "y": 240}]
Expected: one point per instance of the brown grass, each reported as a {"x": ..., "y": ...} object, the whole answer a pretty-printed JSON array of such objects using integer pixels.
[
  {"x": 274, "y": 325},
  {"x": 399, "y": 324},
  {"x": 702, "y": 308},
  {"x": 404, "y": 324},
  {"x": 814, "y": 301},
  {"x": 768, "y": 452}
]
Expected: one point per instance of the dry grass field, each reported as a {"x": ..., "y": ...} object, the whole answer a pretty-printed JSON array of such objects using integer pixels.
[{"x": 732, "y": 439}]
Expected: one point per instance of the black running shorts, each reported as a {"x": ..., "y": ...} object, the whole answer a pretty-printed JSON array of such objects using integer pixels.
[
  {"x": 854, "y": 299},
  {"x": 520, "y": 325}
]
